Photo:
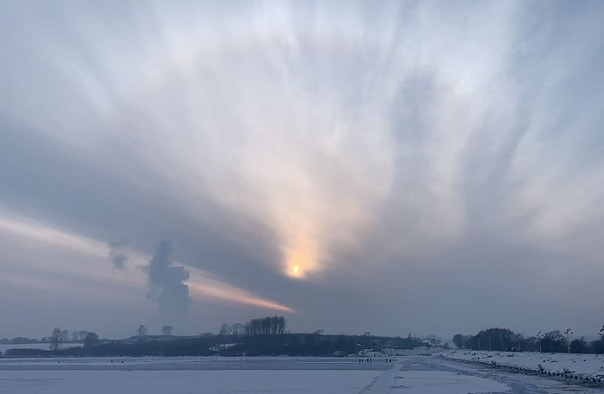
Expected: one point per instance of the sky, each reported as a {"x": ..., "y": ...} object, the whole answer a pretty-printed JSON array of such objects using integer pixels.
[{"x": 399, "y": 167}]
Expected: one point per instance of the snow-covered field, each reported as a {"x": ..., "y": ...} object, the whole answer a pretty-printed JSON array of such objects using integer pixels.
[
  {"x": 191, "y": 381},
  {"x": 215, "y": 375},
  {"x": 575, "y": 366},
  {"x": 190, "y": 363},
  {"x": 430, "y": 382},
  {"x": 187, "y": 375},
  {"x": 264, "y": 375}
]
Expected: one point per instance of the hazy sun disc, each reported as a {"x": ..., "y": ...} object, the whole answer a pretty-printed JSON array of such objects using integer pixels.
[{"x": 300, "y": 261}]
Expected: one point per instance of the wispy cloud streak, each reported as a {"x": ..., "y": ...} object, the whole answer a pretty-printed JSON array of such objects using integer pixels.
[{"x": 340, "y": 143}]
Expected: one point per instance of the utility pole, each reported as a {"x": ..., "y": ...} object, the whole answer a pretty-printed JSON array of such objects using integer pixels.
[
  {"x": 539, "y": 339},
  {"x": 568, "y": 332}
]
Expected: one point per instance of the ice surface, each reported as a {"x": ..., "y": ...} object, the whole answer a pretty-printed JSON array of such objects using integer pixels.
[
  {"x": 440, "y": 382},
  {"x": 213, "y": 375},
  {"x": 200, "y": 381}
]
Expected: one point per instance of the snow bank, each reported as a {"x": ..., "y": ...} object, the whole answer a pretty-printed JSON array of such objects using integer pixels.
[
  {"x": 441, "y": 382},
  {"x": 586, "y": 368}
]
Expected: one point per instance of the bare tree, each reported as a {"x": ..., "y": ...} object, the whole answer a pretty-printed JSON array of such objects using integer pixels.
[
  {"x": 55, "y": 339},
  {"x": 64, "y": 336},
  {"x": 225, "y": 329},
  {"x": 78, "y": 336},
  {"x": 555, "y": 339},
  {"x": 266, "y": 325},
  {"x": 237, "y": 329},
  {"x": 141, "y": 331},
  {"x": 274, "y": 325},
  {"x": 166, "y": 330}
]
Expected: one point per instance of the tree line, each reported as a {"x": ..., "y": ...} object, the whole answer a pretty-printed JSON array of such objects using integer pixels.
[
  {"x": 312, "y": 344},
  {"x": 261, "y": 336},
  {"x": 64, "y": 335},
  {"x": 58, "y": 336},
  {"x": 269, "y": 325},
  {"x": 503, "y": 339},
  {"x": 274, "y": 325}
]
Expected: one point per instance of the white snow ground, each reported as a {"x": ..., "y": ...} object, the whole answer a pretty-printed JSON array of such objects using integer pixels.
[
  {"x": 263, "y": 375},
  {"x": 163, "y": 382},
  {"x": 575, "y": 366},
  {"x": 430, "y": 382}
]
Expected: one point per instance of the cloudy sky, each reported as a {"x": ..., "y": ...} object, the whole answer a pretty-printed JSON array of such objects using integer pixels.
[{"x": 394, "y": 167}]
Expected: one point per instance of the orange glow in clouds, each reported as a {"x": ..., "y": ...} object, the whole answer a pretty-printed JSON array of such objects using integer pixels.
[{"x": 300, "y": 260}]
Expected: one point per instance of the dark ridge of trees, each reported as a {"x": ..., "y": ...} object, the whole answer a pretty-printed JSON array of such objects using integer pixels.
[
  {"x": 17, "y": 341},
  {"x": 178, "y": 347},
  {"x": 270, "y": 325},
  {"x": 314, "y": 344},
  {"x": 57, "y": 337},
  {"x": 550, "y": 342}
]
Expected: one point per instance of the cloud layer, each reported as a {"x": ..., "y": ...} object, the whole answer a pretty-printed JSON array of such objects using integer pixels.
[{"x": 343, "y": 159}]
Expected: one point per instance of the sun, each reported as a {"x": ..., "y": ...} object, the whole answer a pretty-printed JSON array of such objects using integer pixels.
[{"x": 298, "y": 264}]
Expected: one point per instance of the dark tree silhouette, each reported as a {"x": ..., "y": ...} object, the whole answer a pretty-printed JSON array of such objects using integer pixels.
[
  {"x": 141, "y": 331},
  {"x": 91, "y": 339},
  {"x": 55, "y": 339}
]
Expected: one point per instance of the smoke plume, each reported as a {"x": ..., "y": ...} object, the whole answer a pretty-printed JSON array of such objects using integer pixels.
[{"x": 165, "y": 283}]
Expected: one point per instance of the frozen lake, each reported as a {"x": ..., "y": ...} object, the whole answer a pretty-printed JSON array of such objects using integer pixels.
[
  {"x": 263, "y": 375},
  {"x": 188, "y": 381}
]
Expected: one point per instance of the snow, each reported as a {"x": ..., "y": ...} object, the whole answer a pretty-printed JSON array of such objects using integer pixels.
[
  {"x": 576, "y": 365},
  {"x": 419, "y": 351},
  {"x": 435, "y": 382},
  {"x": 208, "y": 382},
  {"x": 263, "y": 375}
]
